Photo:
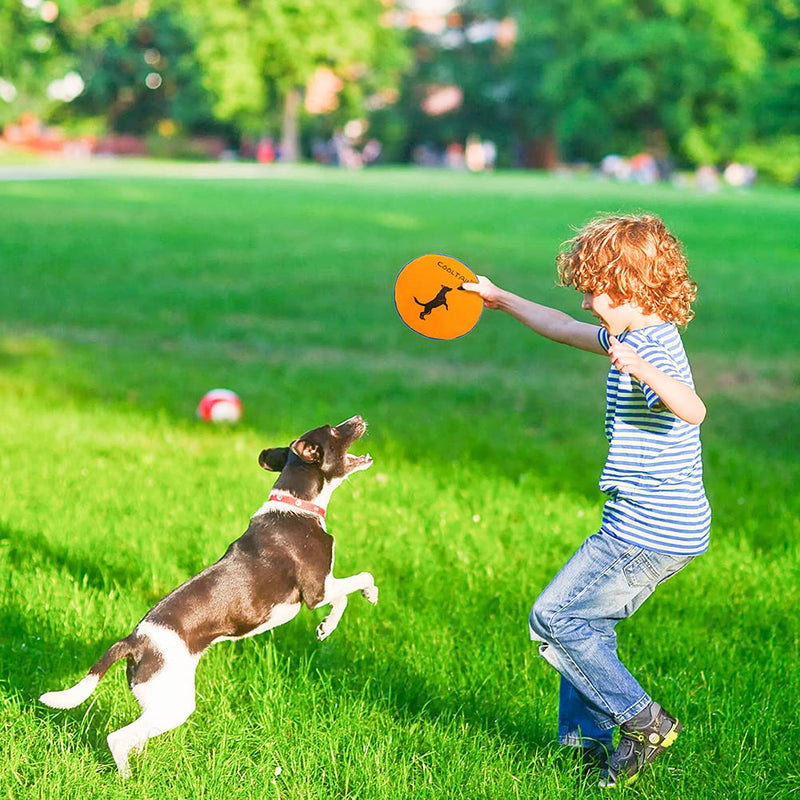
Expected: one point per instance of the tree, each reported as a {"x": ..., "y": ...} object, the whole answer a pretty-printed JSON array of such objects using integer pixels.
[
  {"x": 33, "y": 54},
  {"x": 147, "y": 77},
  {"x": 604, "y": 75},
  {"x": 40, "y": 46},
  {"x": 772, "y": 140},
  {"x": 585, "y": 79},
  {"x": 466, "y": 67},
  {"x": 259, "y": 55}
]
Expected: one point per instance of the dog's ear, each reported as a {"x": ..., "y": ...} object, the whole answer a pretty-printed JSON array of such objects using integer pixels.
[
  {"x": 274, "y": 459},
  {"x": 310, "y": 453}
]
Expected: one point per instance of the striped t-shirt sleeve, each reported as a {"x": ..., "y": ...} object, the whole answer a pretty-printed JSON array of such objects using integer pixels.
[
  {"x": 654, "y": 355},
  {"x": 661, "y": 360}
]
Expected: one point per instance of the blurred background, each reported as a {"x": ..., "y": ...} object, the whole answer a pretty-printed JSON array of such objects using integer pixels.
[{"x": 706, "y": 91}]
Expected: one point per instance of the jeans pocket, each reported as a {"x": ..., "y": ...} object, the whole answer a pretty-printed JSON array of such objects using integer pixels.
[
  {"x": 678, "y": 563},
  {"x": 639, "y": 571}
]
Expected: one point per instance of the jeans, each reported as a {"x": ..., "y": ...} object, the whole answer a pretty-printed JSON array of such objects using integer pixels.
[{"x": 574, "y": 619}]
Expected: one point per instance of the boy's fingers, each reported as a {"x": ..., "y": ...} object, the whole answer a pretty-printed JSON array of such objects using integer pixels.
[
  {"x": 476, "y": 286},
  {"x": 619, "y": 347}
]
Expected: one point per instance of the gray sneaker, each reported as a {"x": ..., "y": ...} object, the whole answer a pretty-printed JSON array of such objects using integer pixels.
[
  {"x": 640, "y": 744},
  {"x": 591, "y": 758}
]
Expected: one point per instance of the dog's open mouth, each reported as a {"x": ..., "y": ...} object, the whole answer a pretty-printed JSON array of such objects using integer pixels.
[{"x": 358, "y": 462}]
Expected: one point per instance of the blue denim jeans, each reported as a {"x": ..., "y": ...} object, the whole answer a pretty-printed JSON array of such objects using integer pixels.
[{"x": 575, "y": 619}]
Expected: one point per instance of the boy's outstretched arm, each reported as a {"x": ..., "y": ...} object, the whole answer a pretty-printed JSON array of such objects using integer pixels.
[
  {"x": 548, "y": 322},
  {"x": 679, "y": 398}
]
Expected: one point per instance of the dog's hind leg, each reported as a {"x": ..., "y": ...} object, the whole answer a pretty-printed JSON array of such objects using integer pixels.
[
  {"x": 162, "y": 681},
  {"x": 155, "y": 720}
]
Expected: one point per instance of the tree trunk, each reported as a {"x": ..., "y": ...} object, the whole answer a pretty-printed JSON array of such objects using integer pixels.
[
  {"x": 542, "y": 152},
  {"x": 290, "y": 129}
]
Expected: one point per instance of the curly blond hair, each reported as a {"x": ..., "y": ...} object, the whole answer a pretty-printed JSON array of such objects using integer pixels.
[{"x": 631, "y": 258}]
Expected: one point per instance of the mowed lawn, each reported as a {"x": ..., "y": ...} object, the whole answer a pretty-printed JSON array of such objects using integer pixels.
[{"x": 124, "y": 297}]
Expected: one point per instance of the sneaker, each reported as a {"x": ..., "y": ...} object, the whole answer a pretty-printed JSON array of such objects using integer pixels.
[
  {"x": 640, "y": 744},
  {"x": 591, "y": 758}
]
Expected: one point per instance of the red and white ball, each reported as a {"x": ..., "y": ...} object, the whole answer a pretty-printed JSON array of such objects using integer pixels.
[{"x": 220, "y": 405}]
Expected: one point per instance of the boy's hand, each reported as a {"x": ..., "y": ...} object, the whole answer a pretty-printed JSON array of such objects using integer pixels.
[
  {"x": 486, "y": 289},
  {"x": 625, "y": 358}
]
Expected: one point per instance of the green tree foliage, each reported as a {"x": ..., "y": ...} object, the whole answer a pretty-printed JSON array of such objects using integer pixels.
[
  {"x": 465, "y": 58},
  {"x": 259, "y": 55},
  {"x": 42, "y": 42},
  {"x": 689, "y": 80},
  {"x": 693, "y": 80},
  {"x": 148, "y": 76},
  {"x": 34, "y": 51},
  {"x": 776, "y": 104},
  {"x": 608, "y": 75},
  {"x": 772, "y": 112}
]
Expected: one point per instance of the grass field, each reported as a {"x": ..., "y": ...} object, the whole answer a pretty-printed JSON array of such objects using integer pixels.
[{"x": 124, "y": 298}]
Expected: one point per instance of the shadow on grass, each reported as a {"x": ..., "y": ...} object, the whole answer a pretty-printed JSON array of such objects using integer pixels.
[
  {"x": 37, "y": 656},
  {"x": 31, "y": 550},
  {"x": 33, "y": 664},
  {"x": 405, "y": 690},
  {"x": 34, "y": 659}
]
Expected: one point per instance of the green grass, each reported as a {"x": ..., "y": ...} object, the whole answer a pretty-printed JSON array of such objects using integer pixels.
[{"x": 124, "y": 298}]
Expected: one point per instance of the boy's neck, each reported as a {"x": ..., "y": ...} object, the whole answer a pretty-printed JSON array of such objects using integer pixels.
[
  {"x": 630, "y": 317},
  {"x": 640, "y": 320}
]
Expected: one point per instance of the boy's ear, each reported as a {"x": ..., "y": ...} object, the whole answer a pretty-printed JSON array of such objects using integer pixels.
[
  {"x": 310, "y": 453},
  {"x": 274, "y": 459}
]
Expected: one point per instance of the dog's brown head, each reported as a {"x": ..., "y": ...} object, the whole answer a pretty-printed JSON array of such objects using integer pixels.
[{"x": 317, "y": 458}]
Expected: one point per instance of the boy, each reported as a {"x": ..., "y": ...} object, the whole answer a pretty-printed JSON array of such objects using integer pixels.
[{"x": 634, "y": 279}]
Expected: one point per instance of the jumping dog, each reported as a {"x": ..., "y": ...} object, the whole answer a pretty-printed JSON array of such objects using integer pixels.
[{"x": 282, "y": 561}]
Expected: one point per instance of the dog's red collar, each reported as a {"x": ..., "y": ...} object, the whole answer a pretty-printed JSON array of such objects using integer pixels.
[{"x": 296, "y": 502}]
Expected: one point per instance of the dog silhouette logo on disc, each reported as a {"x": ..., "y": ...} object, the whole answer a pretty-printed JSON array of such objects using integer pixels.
[
  {"x": 428, "y": 297},
  {"x": 439, "y": 300}
]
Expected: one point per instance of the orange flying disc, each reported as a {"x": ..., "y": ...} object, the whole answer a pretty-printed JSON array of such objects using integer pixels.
[{"x": 429, "y": 298}]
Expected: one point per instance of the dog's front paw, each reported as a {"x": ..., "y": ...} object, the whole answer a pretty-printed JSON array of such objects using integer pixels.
[
  {"x": 371, "y": 593},
  {"x": 324, "y": 630}
]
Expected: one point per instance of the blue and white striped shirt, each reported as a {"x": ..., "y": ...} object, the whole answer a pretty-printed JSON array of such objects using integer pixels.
[{"x": 653, "y": 475}]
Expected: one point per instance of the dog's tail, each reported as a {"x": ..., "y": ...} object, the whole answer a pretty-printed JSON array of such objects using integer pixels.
[{"x": 69, "y": 698}]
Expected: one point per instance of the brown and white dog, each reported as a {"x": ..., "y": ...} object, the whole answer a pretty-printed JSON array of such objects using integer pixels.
[{"x": 284, "y": 559}]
